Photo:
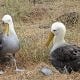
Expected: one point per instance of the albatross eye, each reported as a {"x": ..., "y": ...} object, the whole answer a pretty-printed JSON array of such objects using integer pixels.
[{"x": 54, "y": 30}]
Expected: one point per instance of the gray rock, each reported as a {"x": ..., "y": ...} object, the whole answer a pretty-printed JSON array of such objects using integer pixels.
[{"x": 46, "y": 71}]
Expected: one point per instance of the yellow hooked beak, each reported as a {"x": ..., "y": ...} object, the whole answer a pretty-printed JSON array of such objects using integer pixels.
[
  {"x": 50, "y": 38},
  {"x": 5, "y": 28}
]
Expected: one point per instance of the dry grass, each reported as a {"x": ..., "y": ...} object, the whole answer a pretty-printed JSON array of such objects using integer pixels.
[
  {"x": 32, "y": 24},
  {"x": 35, "y": 74}
]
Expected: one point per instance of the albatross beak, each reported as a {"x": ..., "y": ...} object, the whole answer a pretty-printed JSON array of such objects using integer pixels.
[
  {"x": 51, "y": 36},
  {"x": 5, "y": 28}
]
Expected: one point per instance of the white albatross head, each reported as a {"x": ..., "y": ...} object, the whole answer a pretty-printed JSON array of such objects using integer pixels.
[
  {"x": 8, "y": 27},
  {"x": 7, "y": 19},
  {"x": 58, "y": 31}
]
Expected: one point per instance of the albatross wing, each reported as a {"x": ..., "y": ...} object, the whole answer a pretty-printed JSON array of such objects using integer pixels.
[{"x": 66, "y": 56}]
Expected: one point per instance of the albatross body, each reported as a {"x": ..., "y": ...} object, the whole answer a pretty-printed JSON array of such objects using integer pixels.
[
  {"x": 65, "y": 57},
  {"x": 10, "y": 44},
  {"x": 9, "y": 40}
]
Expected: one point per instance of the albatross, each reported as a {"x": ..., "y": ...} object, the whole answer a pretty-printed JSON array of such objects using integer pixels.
[
  {"x": 64, "y": 57},
  {"x": 9, "y": 42}
]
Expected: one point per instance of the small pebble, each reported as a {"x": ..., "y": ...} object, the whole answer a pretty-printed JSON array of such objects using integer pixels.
[
  {"x": 1, "y": 72},
  {"x": 46, "y": 71},
  {"x": 19, "y": 70}
]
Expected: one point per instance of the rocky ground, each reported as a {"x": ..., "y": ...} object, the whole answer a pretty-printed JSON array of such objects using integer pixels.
[{"x": 32, "y": 29}]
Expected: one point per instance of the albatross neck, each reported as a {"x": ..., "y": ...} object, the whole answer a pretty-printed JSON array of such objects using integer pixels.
[
  {"x": 11, "y": 29},
  {"x": 58, "y": 41}
]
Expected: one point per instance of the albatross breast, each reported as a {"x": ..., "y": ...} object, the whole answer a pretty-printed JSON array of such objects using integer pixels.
[{"x": 10, "y": 44}]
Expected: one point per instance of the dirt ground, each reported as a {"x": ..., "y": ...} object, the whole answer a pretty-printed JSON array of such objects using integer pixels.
[
  {"x": 35, "y": 74},
  {"x": 32, "y": 30}
]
